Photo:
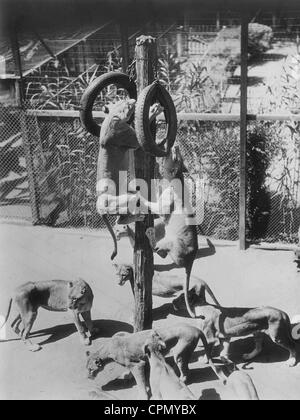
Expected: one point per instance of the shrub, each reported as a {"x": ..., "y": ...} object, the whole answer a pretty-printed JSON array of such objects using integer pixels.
[{"x": 260, "y": 39}]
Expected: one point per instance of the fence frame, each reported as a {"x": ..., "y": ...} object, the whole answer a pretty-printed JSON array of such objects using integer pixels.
[
  {"x": 201, "y": 117},
  {"x": 243, "y": 117},
  {"x": 181, "y": 116}
]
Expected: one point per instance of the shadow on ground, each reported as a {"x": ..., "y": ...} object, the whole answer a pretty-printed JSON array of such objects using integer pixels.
[
  {"x": 272, "y": 353},
  {"x": 106, "y": 328}
]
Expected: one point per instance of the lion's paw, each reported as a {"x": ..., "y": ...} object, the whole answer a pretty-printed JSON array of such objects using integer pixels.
[
  {"x": 86, "y": 341},
  {"x": 183, "y": 378},
  {"x": 292, "y": 362},
  {"x": 33, "y": 347},
  {"x": 225, "y": 359}
]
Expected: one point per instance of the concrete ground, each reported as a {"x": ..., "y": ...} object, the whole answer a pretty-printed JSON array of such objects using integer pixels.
[{"x": 250, "y": 278}]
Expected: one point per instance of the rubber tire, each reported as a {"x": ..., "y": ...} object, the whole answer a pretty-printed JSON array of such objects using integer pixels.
[
  {"x": 152, "y": 93},
  {"x": 88, "y": 98}
]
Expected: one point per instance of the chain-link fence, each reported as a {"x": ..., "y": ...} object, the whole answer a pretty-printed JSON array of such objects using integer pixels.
[
  {"x": 199, "y": 63},
  {"x": 14, "y": 188},
  {"x": 66, "y": 173},
  {"x": 64, "y": 160},
  {"x": 211, "y": 154},
  {"x": 273, "y": 181}
]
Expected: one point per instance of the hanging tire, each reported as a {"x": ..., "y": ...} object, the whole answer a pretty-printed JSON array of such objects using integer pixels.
[
  {"x": 151, "y": 94},
  {"x": 119, "y": 79}
]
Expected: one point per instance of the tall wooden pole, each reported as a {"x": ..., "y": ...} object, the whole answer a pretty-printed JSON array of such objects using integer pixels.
[
  {"x": 146, "y": 61},
  {"x": 32, "y": 179},
  {"x": 124, "y": 46},
  {"x": 243, "y": 133},
  {"x": 14, "y": 41}
]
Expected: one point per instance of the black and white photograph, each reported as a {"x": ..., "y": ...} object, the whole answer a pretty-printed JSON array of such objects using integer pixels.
[{"x": 150, "y": 202}]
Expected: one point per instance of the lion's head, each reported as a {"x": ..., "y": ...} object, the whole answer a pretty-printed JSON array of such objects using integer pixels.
[
  {"x": 154, "y": 344},
  {"x": 94, "y": 364},
  {"x": 80, "y": 296},
  {"x": 122, "y": 110},
  {"x": 124, "y": 273}
]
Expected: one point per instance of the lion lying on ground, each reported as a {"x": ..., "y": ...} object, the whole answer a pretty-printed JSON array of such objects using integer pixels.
[
  {"x": 222, "y": 324},
  {"x": 128, "y": 350},
  {"x": 53, "y": 295}
]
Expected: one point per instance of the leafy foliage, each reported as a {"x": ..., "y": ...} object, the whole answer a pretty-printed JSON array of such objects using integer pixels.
[
  {"x": 211, "y": 152},
  {"x": 191, "y": 85},
  {"x": 55, "y": 88},
  {"x": 259, "y": 39},
  {"x": 68, "y": 177}
]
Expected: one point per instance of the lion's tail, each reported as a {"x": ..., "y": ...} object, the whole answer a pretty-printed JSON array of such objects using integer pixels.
[
  {"x": 211, "y": 294},
  {"x": 8, "y": 313},
  {"x": 207, "y": 289},
  {"x": 111, "y": 231},
  {"x": 186, "y": 294}
]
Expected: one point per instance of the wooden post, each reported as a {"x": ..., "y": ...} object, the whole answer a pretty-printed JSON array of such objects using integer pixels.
[
  {"x": 243, "y": 132},
  {"x": 218, "y": 21},
  {"x": 179, "y": 42},
  {"x": 124, "y": 46},
  {"x": 186, "y": 20},
  {"x": 33, "y": 187},
  {"x": 17, "y": 59},
  {"x": 146, "y": 61},
  {"x": 274, "y": 20}
]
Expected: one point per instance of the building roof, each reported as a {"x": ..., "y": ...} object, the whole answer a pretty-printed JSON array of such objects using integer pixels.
[{"x": 34, "y": 54}]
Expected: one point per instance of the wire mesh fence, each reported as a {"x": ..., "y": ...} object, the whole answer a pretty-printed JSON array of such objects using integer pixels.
[
  {"x": 14, "y": 189},
  {"x": 199, "y": 63},
  {"x": 211, "y": 154},
  {"x": 64, "y": 159},
  {"x": 273, "y": 181},
  {"x": 67, "y": 178}
]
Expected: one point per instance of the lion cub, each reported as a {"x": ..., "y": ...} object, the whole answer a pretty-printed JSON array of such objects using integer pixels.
[{"x": 53, "y": 295}]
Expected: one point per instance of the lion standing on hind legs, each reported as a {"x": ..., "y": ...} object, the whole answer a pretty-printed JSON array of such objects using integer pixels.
[
  {"x": 117, "y": 137},
  {"x": 180, "y": 241}
]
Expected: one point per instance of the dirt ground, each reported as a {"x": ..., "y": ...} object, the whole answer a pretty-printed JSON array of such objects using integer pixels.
[{"x": 250, "y": 278}]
